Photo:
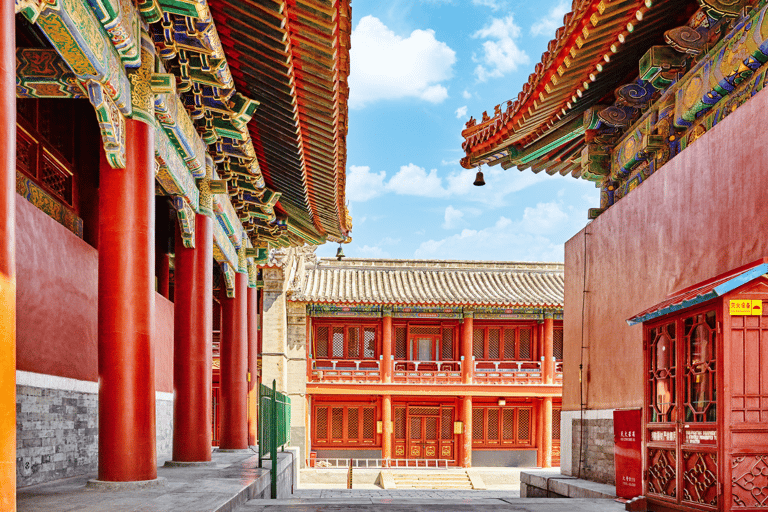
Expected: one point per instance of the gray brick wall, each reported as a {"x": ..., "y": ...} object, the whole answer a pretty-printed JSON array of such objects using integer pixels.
[
  {"x": 56, "y": 434},
  {"x": 597, "y": 452}
]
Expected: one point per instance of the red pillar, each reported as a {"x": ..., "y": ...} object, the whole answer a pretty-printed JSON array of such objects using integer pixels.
[
  {"x": 234, "y": 366},
  {"x": 126, "y": 311},
  {"x": 192, "y": 339},
  {"x": 7, "y": 257},
  {"x": 540, "y": 433},
  {"x": 466, "y": 437},
  {"x": 386, "y": 349},
  {"x": 548, "y": 366},
  {"x": 467, "y": 364},
  {"x": 253, "y": 338},
  {"x": 386, "y": 420},
  {"x": 547, "y": 441}
]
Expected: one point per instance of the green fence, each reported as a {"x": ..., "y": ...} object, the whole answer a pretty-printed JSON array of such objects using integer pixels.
[{"x": 274, "y": 426}]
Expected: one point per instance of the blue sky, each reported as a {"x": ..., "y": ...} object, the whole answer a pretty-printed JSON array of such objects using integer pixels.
[{"x": 419, "y": 69}]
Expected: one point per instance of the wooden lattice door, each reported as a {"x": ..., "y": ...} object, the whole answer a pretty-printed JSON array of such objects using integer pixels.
[
  {"x": 681, "y": 449},
  {"x": 423, "y": 432}
]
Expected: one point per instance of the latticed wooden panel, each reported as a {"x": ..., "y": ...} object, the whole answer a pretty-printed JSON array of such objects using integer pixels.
[
  {"x": 700, "y": 478},
  {"x": 321, "y": 342},
  {"x": 524, "y": 425},
  {"x": 369, "y": 419},
  {"x": 369, "y": 342},
  {"x": 415, "y": 428},
  {"x": 494, "y": 336},
  {"x": 338, "y": 342},
  {"x": 493, "y": 424},
  {"x": 478, "y": 343},
  {"x": 525, "y": 344},
  {"x": 446, "y": 424},
  {"x": 423, "y": 330},
  {"x": 321, "y": 422},
  {"x": 353, "y": 342},
  {"x": 447, "y": 346},
  {"x": 337, "y": 423},
  {"x": 430, "y": 428},
  {"x": 557, "y": 343},
  {"x": 401, "y": 342},
  {"x": 662, "y": 472},
  {"x": 509, "y": 344},
  {"x": 424, "y": 411},
  {"x": 399, "y": 422},
  {"x": 478, "y": 427},
  {"x": 556, "y": 424},
  {"x": 508, "y": 424},
  {"x": 353, "y": 423}
]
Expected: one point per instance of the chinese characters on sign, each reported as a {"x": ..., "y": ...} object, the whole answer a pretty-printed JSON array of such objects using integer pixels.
[{"x": 746, "y": 307}]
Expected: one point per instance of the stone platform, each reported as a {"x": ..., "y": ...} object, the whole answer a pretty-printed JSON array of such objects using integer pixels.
[
  {"x": 550, "y": 483},
  {"x": 234, "y": 479}
]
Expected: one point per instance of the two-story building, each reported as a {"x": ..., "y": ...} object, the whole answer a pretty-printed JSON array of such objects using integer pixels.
[{"x": 447, "y": 361}]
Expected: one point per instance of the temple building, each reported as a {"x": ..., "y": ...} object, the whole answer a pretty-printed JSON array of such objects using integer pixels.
[
  {"x": 153, "y": 153},
  {"x": 430, "y": 362},
  {"x": 660, "y": 104}
]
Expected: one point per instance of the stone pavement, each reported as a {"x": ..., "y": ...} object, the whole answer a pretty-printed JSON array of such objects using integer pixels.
[
  {"x": 231, "y": 482},
  {"x": 342, "y": 500}
]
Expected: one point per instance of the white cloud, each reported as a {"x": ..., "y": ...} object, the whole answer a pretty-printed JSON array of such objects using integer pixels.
[
  {"x": 466, "y": 94},
  {"x": 362, "y": 184},
  {"x": 544, "y": 218},
  {"x": 548, "y": 25},
  {"x": 493, "y": 4},
  {"x": 368, "y": 251},
  {"x": 386, "y": 66},
  {"x": 500, "y": 52},
  {"x": 453, "y": 218},
  {"x": 461, "y": 112},
  {"x": 449, "y": 162},
  {"x": 504, "y": 237},
  {"x": 412, "y": 180}
]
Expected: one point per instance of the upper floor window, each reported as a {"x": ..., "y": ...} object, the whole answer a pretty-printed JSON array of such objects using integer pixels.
[
  {"x": 426, "y": 342},
  {"x": 503, "y": 343},
  {"x": 557, "y": 342},
  {"x": 345, "y": 341}
]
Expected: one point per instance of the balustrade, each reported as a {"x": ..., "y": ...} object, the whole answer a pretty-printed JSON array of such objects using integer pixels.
[
  {"x": 508, "y": 372},
  {"x": 427, "y": 372},
  {"x": 345, "y": 370}
]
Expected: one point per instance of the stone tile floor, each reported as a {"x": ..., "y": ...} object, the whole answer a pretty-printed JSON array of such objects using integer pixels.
[{"x": 219, "y": 488}]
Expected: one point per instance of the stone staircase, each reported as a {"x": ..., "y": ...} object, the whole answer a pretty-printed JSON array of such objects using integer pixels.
[{"x": 430, "y": 479}]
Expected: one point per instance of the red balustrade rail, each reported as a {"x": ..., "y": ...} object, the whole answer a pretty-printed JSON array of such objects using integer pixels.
[
  {"x": 345, "y": 370},
  {"x": 508, "y": 372},
  {"x": 427, "y": 372}
]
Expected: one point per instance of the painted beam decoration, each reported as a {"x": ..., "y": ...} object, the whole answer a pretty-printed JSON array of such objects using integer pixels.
[
  {"x": 708, "y": 67},
  {"x": 163, "y": 62}
]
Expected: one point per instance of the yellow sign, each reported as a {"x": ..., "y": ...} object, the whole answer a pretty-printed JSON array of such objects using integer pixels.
[{"x": 746, "y": 307}]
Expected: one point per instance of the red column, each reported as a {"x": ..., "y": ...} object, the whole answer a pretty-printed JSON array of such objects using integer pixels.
[
  {"x": 126, "y": 311},
  {"x": 540, "y": 433},
  {"x": 466, "y": 437},
  {"x": 386, "y": 420},
  {"x": 234, "y": 366},
  {"x": 548, "y": 366},
  {"x": 386, "y": 349},
  {"x": 253, "y": 390},
  {"x": 547, "y": 441},
  {"x": 192, "y": 339},
  {"x": 7, "y": 257},
  {"x": 467, "y": 365}
]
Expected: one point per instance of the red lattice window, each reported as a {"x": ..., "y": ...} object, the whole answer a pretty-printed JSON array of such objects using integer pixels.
[
  {"x": 503, "y": 343},
  {"x": 524, "y": 425},
  {"x": 662, "y": 378},
  {"x": 399, "y": 422},
  {"x": 525, "y": 343},
  {"x": 556, "y": 424},
  {"x": 348, "y": 425},
  {"x": 494, "y": 426},
  {"x": 425, "y": 331},
  {"x": 446, "y": 424},
  {"x": 345, "y": 342},
  {"x": 557, "y": 343},
  {"x": 321, "y": 342},
  {"x": 478, "y": 425},
  {"x": 401, "y": 343},
  {"x": 699, "y": 333},
  {"x": 447, "y": 344},
  {"x": 478, "y": 344}
]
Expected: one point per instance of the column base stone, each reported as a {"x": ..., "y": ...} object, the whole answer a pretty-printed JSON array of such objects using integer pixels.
[{"x": 102, "y": 485}]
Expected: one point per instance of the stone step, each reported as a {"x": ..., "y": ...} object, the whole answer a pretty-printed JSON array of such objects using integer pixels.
[{"x": 432, "y": 480}]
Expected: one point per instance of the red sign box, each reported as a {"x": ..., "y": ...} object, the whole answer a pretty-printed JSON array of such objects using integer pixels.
[{"x": 627, "y": 445}]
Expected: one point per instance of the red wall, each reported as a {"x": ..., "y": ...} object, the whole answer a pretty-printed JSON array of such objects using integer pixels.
[
  {"x": 702, "y": 214},
  {"x": 56, "y": 303}
]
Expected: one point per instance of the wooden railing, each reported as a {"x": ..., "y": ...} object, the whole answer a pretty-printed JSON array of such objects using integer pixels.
[
  {"x": 427, "y": 372},
  {"x": 508, "y": 372},
  {"x": 345, "y": 370},
  {"x": 559, "y": 372}
]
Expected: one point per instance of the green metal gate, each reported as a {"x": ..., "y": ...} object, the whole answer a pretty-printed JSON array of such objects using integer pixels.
[{"x": 274, "y": 422}]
